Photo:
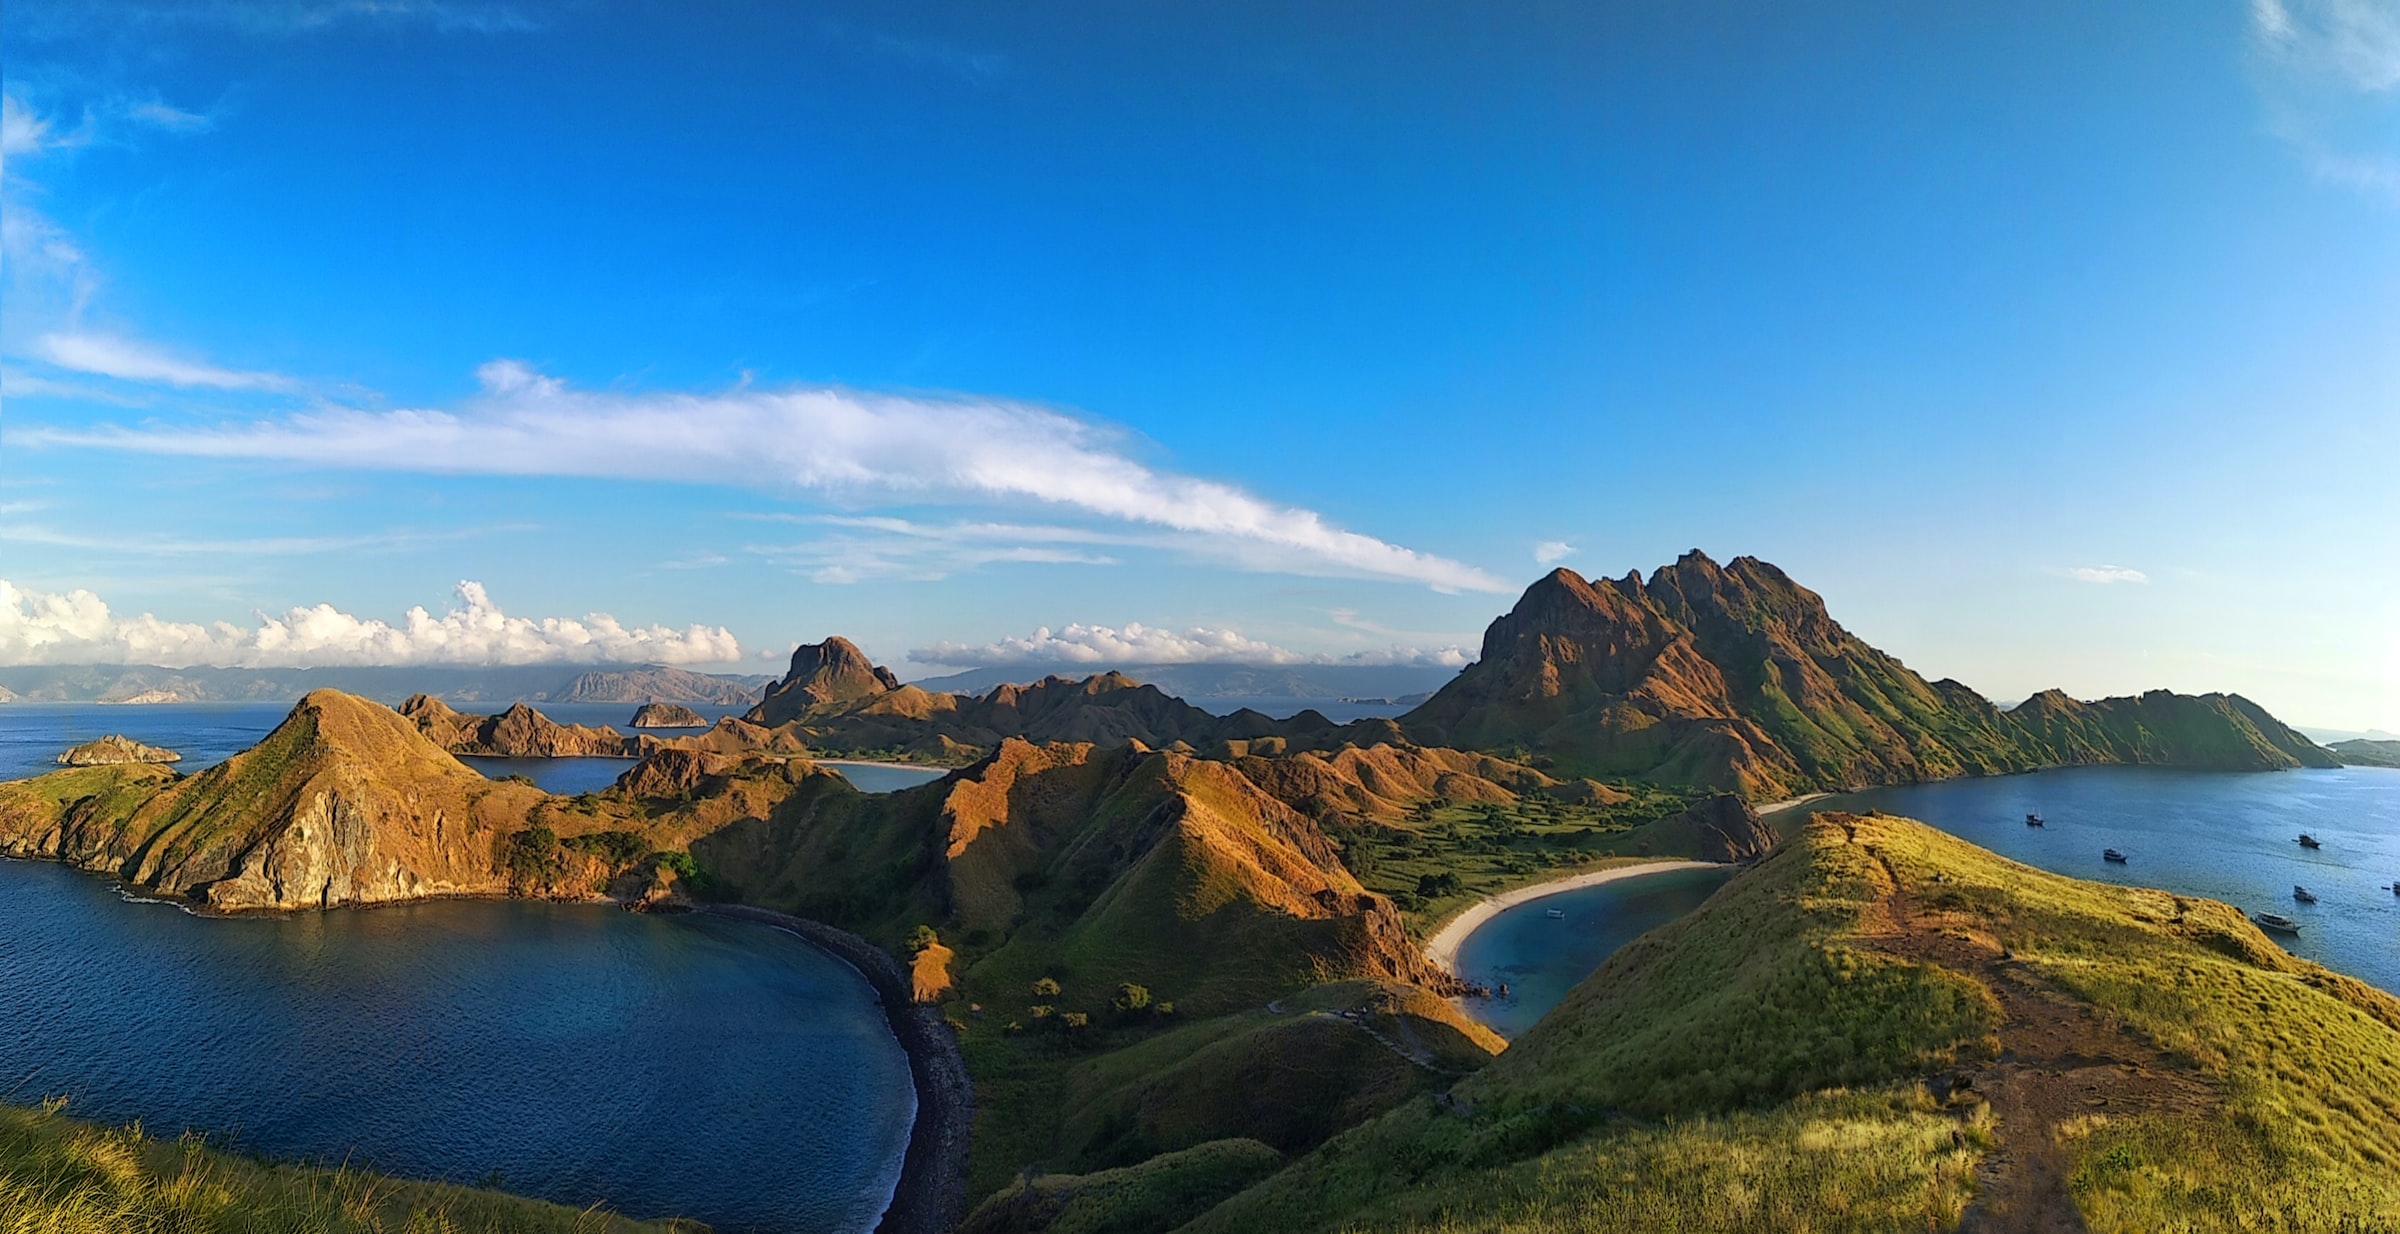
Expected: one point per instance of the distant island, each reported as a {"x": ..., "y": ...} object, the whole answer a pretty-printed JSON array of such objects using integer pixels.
[
  {"x": 667, "y": 715},
  {"x": 113, "y": 749}
]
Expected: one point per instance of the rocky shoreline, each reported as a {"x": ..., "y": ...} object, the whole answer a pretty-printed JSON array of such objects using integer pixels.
[{"x": 931, "y": 1197}]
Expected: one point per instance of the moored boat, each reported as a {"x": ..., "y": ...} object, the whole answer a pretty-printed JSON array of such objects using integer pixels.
[
  {"x": 2309, "y": 841},
  {"x": 2110, "y": 854},
  {"x": 2303, "y": 894},
  {"x": 2032, "y": 819},
  {"x": 1557, "y": 915},
  {"x": 2277, "y": 922}
]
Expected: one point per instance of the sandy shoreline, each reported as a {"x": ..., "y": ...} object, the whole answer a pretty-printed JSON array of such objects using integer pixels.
[{"x": 1442, "y": 948}]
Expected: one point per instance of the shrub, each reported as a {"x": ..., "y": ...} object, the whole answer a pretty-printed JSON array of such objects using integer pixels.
[
  {"x": 1131, "y": 999},
  {"x": 921, "y": 938},
  {"x": 1047, "y": 987}
]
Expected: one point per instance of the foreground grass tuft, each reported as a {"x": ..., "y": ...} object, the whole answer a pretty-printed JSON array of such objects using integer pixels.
[{"x": 61, "y": 1176}]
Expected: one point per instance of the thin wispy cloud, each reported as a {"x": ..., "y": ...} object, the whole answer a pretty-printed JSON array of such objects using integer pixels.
[
  {"x": 108, "y": 355},
  {"x": 845, "y": 445},
  {"x": 1552, "y": 552},
  {"x": 78, "y": 627},
  {"x": 2105, "y": 574},
  {"x": 2331, "y": 83},
  {"x": 1137, "y": 644},
  {"x": 237, "y": 546}
]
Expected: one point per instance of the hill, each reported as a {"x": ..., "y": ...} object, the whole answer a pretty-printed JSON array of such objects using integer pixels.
[
  {"x": 1884, "y": 1027},
  {"x": 2365, "y": 752},
  {"x": 603, "y": 683},
  {"x": 1204, "y": 682},
  {"x": 1737, "y": 678}
]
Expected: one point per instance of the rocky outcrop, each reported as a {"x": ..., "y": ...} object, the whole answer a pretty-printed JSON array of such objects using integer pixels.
[
  {"x": 519, "y": 732},
  {"x": 822, "y": 675},
  {"x": 667, "y": 715},
  {"x": 672, "y": 772},
  {"x": 1721, "y": 827},
  {"x": 115, "y": 749}
]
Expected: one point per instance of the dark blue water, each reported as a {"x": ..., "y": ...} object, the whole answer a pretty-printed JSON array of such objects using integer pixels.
[
  {"x": 681, "y": 1065},
  {"x": 2229, "y": 836},
  {"x": 1542, "y": 958}
]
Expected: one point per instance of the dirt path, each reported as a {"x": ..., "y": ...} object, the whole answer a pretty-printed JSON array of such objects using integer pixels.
[{"x": 2057, "y": 1061}]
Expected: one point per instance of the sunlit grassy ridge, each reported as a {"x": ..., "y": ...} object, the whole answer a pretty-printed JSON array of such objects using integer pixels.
[
  {"x": 61, "y": 1176},
  {"x": 1764, "y": 1064}
]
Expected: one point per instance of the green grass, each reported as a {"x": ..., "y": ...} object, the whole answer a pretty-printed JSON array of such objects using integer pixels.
[
  {"x": 1490, "y": 847},
  {"x": 62, "y": 1176},
  {"x": 1149, "y": 1198},
  {"x": 1760, "y": 1065}
]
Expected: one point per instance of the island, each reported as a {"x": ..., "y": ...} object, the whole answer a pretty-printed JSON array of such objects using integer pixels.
[
  {"x": 114, "y": 749},
  {"x": 667, "y": 715}
]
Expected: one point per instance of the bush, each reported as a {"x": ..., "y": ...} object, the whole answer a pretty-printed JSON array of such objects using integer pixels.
[
  {"x": 1047, "y": 987},
  {"x": 1131, "y": 999},
  {"x": 921, "y": 938}
]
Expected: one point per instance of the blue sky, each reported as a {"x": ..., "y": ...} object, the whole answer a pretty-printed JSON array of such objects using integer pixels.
[{"x": 2055, "y": 344}]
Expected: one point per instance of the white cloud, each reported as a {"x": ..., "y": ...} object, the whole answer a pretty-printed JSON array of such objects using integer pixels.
[
  {"x": 1552, "y": 552},
  {"x": 2105, "y": 574},
  {"x": 167, "y": 116},
  {"x": 2357, "y": 40},
  {"x": 130, "y": 360},
  {"x": 844, "y": 444},
  {"x": 2332, "y": 75},
  {"x": 77, "y": 627},
  {"x": 1137, "y": 644}
]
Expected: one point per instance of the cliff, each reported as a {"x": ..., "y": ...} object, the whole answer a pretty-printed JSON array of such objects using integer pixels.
[
  {"x": 1737, "y": 678},
  {"x": 114, "y": 749},
  {"x": 667, "y": 715},
  {"x": 344, "y": 803}
]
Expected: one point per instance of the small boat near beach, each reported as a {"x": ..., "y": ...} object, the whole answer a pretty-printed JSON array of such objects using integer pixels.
[
  {"x": 2309, "y": 841},
  {"x": 2033, "y": 820},
  {"x": 2276, "y": 922},
  {"x": 1558, "y": 915},
  {"x": 2110, "y": 854},
  {"x": 2303, "y": 894}
]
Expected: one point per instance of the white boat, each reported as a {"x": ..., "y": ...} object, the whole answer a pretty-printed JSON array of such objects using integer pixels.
[
  {"x": 1558, "y": 915},
  {"x": 2277, "y": 922}
]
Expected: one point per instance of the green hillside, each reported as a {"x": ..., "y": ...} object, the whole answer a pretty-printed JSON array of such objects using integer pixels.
[{"x": 1883, "y": 1027}]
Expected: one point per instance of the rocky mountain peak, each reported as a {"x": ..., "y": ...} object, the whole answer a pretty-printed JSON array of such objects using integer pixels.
[{"x": 822, "y": 674}]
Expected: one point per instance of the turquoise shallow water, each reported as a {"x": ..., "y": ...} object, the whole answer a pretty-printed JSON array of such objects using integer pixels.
[
  {"x": 664, "y": 1065},
  {"x": 1542, "y": 957}
]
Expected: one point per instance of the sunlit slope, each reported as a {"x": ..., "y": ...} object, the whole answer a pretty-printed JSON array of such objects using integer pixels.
[{"x": 1883, "y": 1027}]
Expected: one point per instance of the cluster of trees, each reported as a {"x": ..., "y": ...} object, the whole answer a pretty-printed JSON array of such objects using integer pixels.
[{"x": 1131, "y": 1004}]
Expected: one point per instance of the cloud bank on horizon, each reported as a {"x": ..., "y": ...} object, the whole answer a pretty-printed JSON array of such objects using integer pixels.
[
  {"x": 77, "y": 627},
  {"x": 845, "y": 445},
  {"x": 1137, "y": 644}
]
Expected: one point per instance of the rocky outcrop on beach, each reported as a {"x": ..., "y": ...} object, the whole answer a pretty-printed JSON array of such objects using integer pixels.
[
  {"x": 115, "y": 749},
  {"x": 667, "y": 715},
  {"x": 519, "y": 732}
]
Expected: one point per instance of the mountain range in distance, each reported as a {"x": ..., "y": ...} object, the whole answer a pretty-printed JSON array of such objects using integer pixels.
[
  {"x": 1396, "y": 683},
  {"x": 555, "y": 683}
]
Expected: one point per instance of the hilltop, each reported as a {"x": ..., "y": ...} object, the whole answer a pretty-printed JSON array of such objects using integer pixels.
[
  {"x": 1884, "y": 1027},
  {"x": 2367, "y": 752},
  {"x": 1736, "y": 677}
]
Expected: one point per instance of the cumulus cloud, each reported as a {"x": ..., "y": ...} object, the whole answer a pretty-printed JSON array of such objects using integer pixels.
[
  {"x": 2105, "y": 574},
  {"x": 1137, "y": 644},
  {"x": 1552, "y": 552},
  {"x": 78, "y": 627},
  {"x": 844, "y": 444}
]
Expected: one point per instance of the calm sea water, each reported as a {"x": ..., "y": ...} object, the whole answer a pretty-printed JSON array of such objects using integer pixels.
[
  {"x": 2230, "y": 836},
  {"x": 32, "y": 735},
  {"x": 679, "y": 1065},
  {"x": 1543, "y": 957}
]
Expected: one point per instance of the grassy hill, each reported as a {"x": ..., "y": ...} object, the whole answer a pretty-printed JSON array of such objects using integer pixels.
[
  {"x": 1883, "y": 1027},
  {"x": 61, "y": 1176}
]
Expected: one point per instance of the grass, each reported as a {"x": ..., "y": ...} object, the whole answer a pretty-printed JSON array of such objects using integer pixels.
[
  {"x": 1762, "y": 1064},
  {"x": 62, "y": 1176},
  {"x": 1149, "y": 1198}
]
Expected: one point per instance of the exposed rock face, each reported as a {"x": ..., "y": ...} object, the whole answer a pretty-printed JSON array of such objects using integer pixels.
[
  {"x": 1737, "y": 678},
  {"x": 114, "y": 749},
  {"x": 675, "y": 772},
  {"x": 668, "y": 715},
  {"x": 1722, "y": 827},
  {"x": 519, "y": 732},
  {"x": 822, "y": 674},
  {"x": 344, "y": 803}
]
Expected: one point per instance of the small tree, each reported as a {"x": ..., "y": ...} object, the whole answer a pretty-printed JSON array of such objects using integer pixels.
[
  {"x": 1074, "y": 1020},
  {"x": 1131, "y": 999},
  {"x": 1047, "y": 987},
  {"x": 921, "y": 938}
]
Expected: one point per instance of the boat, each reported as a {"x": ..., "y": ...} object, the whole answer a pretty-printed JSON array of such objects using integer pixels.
[
  {"x": 2033, "y": 820},
  {"x": 2309, "y": 841},
  {"x": 2110, "y": 854},
  {"x": 1558, "y": 915},
  {"x": 2276, "y": 921},
  {"x": 2303, "y": 894}
]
